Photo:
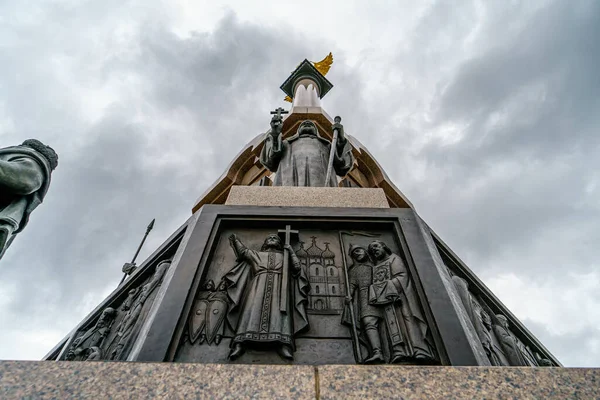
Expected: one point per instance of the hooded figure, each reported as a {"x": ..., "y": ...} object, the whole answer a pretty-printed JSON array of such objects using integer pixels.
[
  {"x": 302, "y": 159},
  {"x": 24, "y": 180}
]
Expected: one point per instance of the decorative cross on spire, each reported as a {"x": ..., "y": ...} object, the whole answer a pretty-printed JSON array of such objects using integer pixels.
[{"x": 279, "y": 111}]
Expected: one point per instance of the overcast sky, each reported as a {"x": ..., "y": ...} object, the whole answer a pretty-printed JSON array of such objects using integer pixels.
[{"x": 485, "y": 114}]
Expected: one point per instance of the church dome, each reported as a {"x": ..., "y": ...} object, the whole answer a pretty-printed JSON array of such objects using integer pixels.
[
  {"x": 301, "y": 252},
  {"x": 327, "y": 253},
  {"x": 314, "y": 250}
]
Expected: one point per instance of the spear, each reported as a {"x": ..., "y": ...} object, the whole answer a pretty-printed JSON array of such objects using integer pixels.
[
  {"x": 332, "y": 152},
  {"x": 128, "y": 266}
]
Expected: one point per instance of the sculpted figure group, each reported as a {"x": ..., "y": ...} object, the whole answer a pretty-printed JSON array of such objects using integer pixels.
[
  {"x": 94, "y": 344},
  {"x": 499, "y": 343},
  {"x": 386, "y": 306},
  {"x": 260, "y": 314}
]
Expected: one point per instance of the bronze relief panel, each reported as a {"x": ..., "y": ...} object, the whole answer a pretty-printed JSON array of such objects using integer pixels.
[{"x": 286, "y": 295}]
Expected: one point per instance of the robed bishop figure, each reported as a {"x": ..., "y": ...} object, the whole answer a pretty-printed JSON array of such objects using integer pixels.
[
  {"x": 302, "y": 160},
  {"x": 261, "y": 314}
]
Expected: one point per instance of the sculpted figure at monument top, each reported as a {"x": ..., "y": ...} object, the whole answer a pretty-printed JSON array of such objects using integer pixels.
[
  {"x": 303, "y": 159},
  {"x": 24, "y": 180}
]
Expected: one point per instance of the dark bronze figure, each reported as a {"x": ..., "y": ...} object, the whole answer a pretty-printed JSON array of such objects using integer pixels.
[
  {"x": 486, "y": 340},
  {"x": 126, "y": 328},
  {"x": 302, "y": 160},
  {"x": 508, "y": 342},
  {"x": 25, "y": 172},
  {"x": 87, "y": 346},
  {"x": 393, "y": 280},
  {"x": 360, "y": 275},
  {"x": 257, "y": 315}
]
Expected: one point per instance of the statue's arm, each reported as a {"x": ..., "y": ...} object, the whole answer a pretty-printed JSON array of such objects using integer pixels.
[
  {"x": 296, "y": 265},
  {"x": 270, "y": 155},
  {"x": 21, "y": 175},
  {"x": 271, "y": 152},
  {"x": 241, "y": 251},
  {"x": 343, "y": 159},
  {"x": 399, "y": 274},
  {"x": 353, "y": 287}
]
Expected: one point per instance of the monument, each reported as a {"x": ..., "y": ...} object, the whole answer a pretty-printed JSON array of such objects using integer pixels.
[
  {"x": 304, "y": 253},
  {"x": 237, "y": 283}
]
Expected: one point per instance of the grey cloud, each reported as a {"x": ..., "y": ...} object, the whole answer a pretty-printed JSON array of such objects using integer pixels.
[
  {"x": 577, "y": 349},
  {"x": 529, "y": 172},
  {"x": 136, "y": 162}
]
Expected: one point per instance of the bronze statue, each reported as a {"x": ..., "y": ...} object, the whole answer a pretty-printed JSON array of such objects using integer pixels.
[
  {"x": 87, "y": 346},
  {"x": 25, "y": 172},
  {"x": 406, "y": 312},
  {"x": 303, "y": 159},
  {"x": 258, "y": 314}
]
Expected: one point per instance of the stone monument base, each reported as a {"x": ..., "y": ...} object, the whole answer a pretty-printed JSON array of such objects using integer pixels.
[
  {"x": 120, "y": 380},
  {"x": 291, "y": 196}
]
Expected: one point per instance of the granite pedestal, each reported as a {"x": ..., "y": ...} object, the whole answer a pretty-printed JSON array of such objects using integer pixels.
[{"x": 95, "y": 380}]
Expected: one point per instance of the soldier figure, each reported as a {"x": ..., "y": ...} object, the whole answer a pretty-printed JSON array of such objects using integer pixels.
[{"x": 360, "y": 275}]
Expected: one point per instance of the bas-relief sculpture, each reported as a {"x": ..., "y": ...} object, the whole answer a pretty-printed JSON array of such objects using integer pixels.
[
  {"x": 132, "y": 307},
  {"x": 389, "y": 315},
  {"x": 487, "y": 340},
  {"x": 25, "y": 173},
  {"x": 116, "y": 329},
  {"x": 498, "y": 342},
  {"x": 508, "y": 342},
  {"x": 303, "y": 159},
  {"x": 268, "y": 303},
  {"x": 387, "y": 307},
  {"x": 207, "y": 321},
  {"x": 87, "y": 346}
]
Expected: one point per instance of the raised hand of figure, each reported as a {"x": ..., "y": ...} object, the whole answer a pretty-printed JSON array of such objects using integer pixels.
[
  {"x": 232, "y": 237},
  {"x": 288, "y": 247},
  {"x": 128, "y": 268},
  {"x": 276, "y": 125}
]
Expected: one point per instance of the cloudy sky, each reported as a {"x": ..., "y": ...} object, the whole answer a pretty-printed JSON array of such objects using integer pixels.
[{"x": 485, "y": 114}]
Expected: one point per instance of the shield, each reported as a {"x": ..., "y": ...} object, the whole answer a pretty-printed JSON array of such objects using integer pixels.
[
  {"x": 197, "y": 322},
  {"x": 217, "y": 310}
]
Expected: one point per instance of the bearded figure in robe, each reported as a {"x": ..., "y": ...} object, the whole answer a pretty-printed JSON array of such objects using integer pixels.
[
  {"x": 24, "y": 180},
  {"x": 406, "y": 310},
  {"x": 302, "y": 160},
  {"x": 87, "y": 346},
  {"x": 261, "y": 314}
]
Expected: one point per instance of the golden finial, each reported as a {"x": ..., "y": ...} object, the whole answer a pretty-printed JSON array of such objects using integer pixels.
[{"x": 324, "y": 65}]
